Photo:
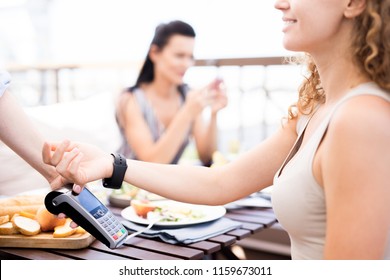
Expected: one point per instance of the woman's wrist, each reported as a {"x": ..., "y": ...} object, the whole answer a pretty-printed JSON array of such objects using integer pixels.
[
  {"x": 214, "y": 115},
  {"x": 50, "y": 173},
  {"x": 188, "y": 113}
]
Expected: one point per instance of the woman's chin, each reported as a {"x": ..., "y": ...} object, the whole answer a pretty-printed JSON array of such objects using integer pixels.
[
  {"x": 178, "y": 81},
  {"x": 291, "y": 46}
]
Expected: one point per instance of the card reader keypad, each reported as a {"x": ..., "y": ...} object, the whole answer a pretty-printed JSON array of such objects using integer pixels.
[{"x": 112, "y": 225}]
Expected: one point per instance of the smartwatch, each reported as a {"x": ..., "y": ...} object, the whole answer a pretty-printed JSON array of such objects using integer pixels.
[{"x": 118, "y": 174}]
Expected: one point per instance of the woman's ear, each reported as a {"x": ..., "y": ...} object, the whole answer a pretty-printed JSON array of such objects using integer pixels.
[
  {"x": 355, "y": 8},
  {"x": 153, "y": 52}
]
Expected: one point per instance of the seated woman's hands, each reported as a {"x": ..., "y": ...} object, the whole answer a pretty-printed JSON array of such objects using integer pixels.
[
  {"x": 213, "y": 95},
  {"x": 217, "y": 92}
]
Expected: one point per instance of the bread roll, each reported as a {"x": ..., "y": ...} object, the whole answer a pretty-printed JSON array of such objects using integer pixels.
[
  {"x": 11, "y": 210},
  {"x": 28, "y": 214},
  {"x": 4, "y": 219},
  {"x": 26, "y": 226},
  {"x": 8, "y": 228},
  {"x": 17, "y": 204},
  {"x": 64, "y": 230},
  {"x": 47, "y": 220},
  {"x": 22, "y": 200}
]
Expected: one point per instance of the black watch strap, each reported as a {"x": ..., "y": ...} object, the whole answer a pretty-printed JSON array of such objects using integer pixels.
[{"x": 118, "y": 174}]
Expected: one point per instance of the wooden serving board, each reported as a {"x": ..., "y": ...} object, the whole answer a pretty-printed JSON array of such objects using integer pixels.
[{"x": 47, "y": 241}]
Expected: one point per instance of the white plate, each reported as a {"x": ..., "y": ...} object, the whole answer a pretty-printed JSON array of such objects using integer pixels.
[
  {"x": 123, "y": 200},
  {"x": 211, "y": 213}
]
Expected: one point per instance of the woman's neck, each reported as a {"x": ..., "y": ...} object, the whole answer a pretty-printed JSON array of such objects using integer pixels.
[
  {"x": 336, "y": 64},
  {"x": 338, "y": 75},
  {"x": 162, "y": 88}
]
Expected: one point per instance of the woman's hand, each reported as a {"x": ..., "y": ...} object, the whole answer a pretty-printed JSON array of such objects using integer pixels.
[
  {"x": 77, "y": 163},
  {"x": 196, "y": 101},
  {"x": 217, "y": 91},
  {"x": 213, "y": 95}
]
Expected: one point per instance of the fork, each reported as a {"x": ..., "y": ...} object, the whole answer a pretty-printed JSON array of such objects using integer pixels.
[{"x": 134, "y": 234}]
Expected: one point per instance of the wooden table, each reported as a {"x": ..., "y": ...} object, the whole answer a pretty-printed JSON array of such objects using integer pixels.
[{"x": 142, "y": 248}]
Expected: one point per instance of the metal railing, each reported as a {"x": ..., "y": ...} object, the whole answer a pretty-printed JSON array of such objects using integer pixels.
[
  {"x": 45, "y": 70},
  {"x": 58, "y": 82}
]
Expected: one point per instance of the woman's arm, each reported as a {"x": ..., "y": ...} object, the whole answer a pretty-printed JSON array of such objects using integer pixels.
[
  {"x": 206, "y": 133},
  {"x": 355, "y": 172},
  {"x": 206, "y": 136},
  {"x": 18, "y": 132},
  {"x": 250, "y": 172}
]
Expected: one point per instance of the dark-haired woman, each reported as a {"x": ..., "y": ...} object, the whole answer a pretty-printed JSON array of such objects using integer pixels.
[{"x": 159, "y": 114}]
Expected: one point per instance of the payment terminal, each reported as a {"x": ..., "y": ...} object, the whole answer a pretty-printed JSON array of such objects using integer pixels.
[{"x": 89, "y": 213}]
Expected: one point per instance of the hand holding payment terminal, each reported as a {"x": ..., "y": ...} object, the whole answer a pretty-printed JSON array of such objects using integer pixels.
[{"x": 89, "y": 213}]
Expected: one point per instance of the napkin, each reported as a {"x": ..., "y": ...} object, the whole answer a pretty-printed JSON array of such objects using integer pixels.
[
  {"x": 188, "y": 234},
  {"x": 252, "y": 201}
]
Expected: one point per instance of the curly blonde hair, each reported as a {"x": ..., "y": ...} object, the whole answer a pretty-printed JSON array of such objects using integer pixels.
[{"x": 371, "y": 49}]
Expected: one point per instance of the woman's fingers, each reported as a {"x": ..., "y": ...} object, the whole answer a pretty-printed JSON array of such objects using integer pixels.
[
  {"x": 58, "y": 182},
  {"x": 73, "y": 224},
  {"x": 77, "y": 188},
  {"x": 75, "y": 162},
  {"x": 57, "y": 156},
  {"x": 65, "y": 162},
  {"x": 46, "y": 153},
  {"x": 61, "y": 216}
]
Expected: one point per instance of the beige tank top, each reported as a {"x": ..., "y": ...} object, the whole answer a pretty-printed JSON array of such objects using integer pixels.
[{"x": 298, "y": 200}]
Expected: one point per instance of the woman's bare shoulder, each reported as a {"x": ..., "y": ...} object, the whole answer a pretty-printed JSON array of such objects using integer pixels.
[
  {"x": 126, "y": 106},
  {"x": 359, "y": 125},
  {"x": 362, "y": 113}
]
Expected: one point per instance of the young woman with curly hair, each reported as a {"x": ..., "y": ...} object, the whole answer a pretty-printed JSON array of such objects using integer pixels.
[{"x": 329, "y": 163}]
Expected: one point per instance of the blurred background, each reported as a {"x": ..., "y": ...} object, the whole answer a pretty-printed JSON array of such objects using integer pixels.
[
  {"x": 70, "y": 58},
  {"x": 61, "y": 51}
]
